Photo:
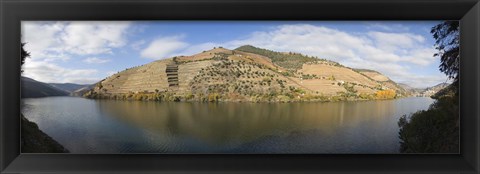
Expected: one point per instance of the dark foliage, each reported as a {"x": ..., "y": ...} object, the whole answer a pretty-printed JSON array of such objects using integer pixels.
[
  {"x": 24, "y": 54},
  {"x": 286, "y": 60},
  {"x": 33, "y": 140},
  {"x": 436, "y": 130},
  {"x": 447, "y": 43}
]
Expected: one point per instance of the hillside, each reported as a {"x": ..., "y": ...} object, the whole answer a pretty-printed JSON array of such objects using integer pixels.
[
  {"x": 81, "y": 91},
  {"x": 244, "y": 74},
  {"x": 411, "y": 90},
  {"x": 34, "y": 89},
  {"x": 407, "y": 87},
  {"x": 439, "y": 86},
  {"x": 384, "y": 80},
  {"x": 430, "y": 91},
  {"x": 290, "y": 60},
  {"x": 34, "y": 140},
  {"x": 69, "y": 87}
]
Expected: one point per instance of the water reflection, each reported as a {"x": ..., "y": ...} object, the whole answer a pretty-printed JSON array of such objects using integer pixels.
[{"x": 136, "y": 126}]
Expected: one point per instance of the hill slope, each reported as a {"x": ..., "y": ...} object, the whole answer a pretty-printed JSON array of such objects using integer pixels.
[
  {"x": 244, "y": 74},
  {"x": 34, "y": 140},
  {"x": 82, "y": 91},
  {"x": 430, "y": 91},
  {"x": 384, "y": 80},
  {"x": 69, "y": 87},
  {"x": 34, "y": 89}
]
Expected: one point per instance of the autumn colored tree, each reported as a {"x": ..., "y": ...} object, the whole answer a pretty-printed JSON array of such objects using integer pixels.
[{"x": 386, "y": 94}]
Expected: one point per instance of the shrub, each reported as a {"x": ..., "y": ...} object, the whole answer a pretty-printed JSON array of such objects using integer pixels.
[
  {"x": 213, "y": 97},
  {"x": 435, "y": 130}
]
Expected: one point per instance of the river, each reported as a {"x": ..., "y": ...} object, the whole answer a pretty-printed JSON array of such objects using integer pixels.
[{"x": 111, "y": 126}]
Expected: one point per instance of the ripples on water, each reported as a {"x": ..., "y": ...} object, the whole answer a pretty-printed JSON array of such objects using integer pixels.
[{"x": 109, "y": 126}]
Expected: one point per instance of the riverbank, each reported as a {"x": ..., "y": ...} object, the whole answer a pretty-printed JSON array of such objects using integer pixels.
[
  {"x": 33, "y": 140},
  {"x": 273, "y": 97},
  {"x": 435, "y": 130}
]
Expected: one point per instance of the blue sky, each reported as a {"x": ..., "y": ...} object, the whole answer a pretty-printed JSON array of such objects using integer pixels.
[{"x": 86, "y": 52}]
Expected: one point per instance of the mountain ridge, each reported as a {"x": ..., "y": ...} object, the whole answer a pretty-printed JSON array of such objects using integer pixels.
[
  {"x": 35, "y": 89},
  {"x": 69, "y": 87}
]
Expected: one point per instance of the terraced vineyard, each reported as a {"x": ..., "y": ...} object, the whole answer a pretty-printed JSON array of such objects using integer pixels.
[
  {"x": 172, "y": 74},
  {"x": 244, "y": 74}
]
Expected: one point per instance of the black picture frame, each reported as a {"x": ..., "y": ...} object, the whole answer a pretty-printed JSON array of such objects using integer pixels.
[{"x": 14, "y": 11}]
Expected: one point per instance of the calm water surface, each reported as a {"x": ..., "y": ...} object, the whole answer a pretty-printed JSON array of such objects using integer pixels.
[{"x": 109, "y": 126}]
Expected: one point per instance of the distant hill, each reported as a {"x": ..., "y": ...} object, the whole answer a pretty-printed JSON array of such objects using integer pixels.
[
  {"x": 406, "y": 87},
  {"x": 81, "y": 91},
  {"x": 439, "y": 86},
  {"x": 69, "y": 87},
  {"x": 444, "y": 90},
  {"x": 247, "y": 73},
  {"x": 430, "y": 91},
  {"x": 34, "y": 89},
  {"x": 410, "y": 88}
]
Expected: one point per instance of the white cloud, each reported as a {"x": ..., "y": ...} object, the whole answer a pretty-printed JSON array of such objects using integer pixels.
[
  {"x": 52, "y": 73},
  {"x": 388, "y": 52},
  {"x": 391, "y": 53},
  {"x": 422, "y": 56},
  {"x": 308, "y": 39},
  {"x": 390, "y": 49},
  {"x": 387, "y": 26},
  {"x": 138, "y": 44},
  {"x": 393, "y": 41},
  {"x": 95, "y": 60},
  {"x": 338, "y": 45},
  {"x": 87, "y": 38},
  {"x": 51, "y": 42},
  {"x": 163, "y": 47},
  {"x": 42, "y": 39},
  {"x": 47, "y": 39}
]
